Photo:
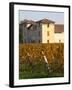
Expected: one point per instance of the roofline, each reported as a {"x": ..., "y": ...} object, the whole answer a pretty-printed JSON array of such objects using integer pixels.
[
  {"x": 59, "y": 24},
  {"x": 46, "y": 19}
]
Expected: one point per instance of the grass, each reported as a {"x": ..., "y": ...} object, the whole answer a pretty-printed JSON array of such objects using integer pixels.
[
  {"x": 38, "y": 68},
  {"x": 38, "y": 71}
]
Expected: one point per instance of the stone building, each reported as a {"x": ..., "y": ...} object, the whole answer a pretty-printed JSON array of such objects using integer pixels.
[{"x": 42, "y": 31}]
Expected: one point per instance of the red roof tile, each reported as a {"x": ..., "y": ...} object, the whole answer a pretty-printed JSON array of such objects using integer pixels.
[
  {"x": 46, "y": 21},
  {"x": 59, "y": 28}
]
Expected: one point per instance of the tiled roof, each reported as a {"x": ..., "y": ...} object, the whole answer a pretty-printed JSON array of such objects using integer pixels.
[
  {"x": 59, "y": 28},
  {"x": 46, "y": 21},
  {"x": 27, "y": 21},
  {"x": 33, "y": 22}
]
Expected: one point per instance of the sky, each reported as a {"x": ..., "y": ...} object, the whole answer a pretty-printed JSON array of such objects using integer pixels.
[{"x": 58, "y": 17}]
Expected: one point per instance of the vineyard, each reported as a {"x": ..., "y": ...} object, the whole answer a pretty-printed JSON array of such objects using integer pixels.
[{"x": 33, "y": 65}]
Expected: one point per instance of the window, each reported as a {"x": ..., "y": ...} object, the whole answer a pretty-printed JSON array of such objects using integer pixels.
[
  {"x": 59, "y": 41},
  {"x": 47, "y": 41},
  {"x": 47, "y": 25},
  {"x": 47, "y": 33},
  {"x": 39, "y": 41}
]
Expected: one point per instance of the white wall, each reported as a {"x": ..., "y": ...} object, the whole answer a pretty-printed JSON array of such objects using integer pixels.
[
  {"x": 4, "y": 45},
  {"x": 59, "y": 36},
  {"x": 44, "y": 33},
  {"x": 45, "y": 30}
]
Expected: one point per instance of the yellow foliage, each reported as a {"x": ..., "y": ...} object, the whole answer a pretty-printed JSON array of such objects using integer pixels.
[{"x": 51, "y": 51}]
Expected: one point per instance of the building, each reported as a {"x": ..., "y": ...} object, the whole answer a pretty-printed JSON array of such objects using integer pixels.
[
  {"x": 42, "y": 31},
  {"x": 59, "y": 33}
]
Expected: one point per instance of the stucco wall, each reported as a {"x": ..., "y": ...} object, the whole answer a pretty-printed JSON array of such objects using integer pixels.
[
  {"x": 45, "y": 30},
  {"x": 59, "y": 37}
]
